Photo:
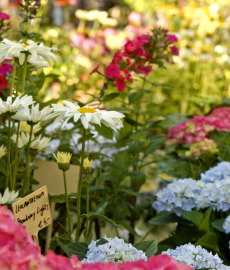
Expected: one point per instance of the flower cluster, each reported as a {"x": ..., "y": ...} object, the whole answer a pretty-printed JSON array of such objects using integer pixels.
[
  {"x": 226, "y": 225},
  {"x": 115, "y": 250},
  {"x": 197, "y": 257},
  {"x": 216, "y": 173},
  {"x": 213, "y": 190},
  {"x": 179, "y": 195},
  {"x": 38, "y": 55},
  {"x": 137, "y": 55},
  {"x": 18, "y": 251},
  {"x": 199, "y": 127},
  {"x": 202, "y": 148}
]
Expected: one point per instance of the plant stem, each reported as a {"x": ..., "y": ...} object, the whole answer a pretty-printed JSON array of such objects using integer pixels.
[
  {"x": 87, "y": 207},
  {"x": 13, "y": 77},
  {"x": 16, "y": 159},
  {"x": 25, "y": 187},
  {"x": 80, "y": 186},
  {"x": 67, "y": 206},
  {"x": 8, "y": 154},
  {"x": 24, "y": 73},
  {"x": 19, "y": 76}
]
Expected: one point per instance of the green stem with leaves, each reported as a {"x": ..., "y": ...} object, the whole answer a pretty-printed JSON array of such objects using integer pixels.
[
  {"x": 19, "y": 76},
  {"x": 16, "y": 158},
  {"x": 9, "y": 179},
  {"x": 26, "y": 183},
  {"x": 67, "y": 205},
  {"x": 13, "y": 77},
  {"x": 80, "y": 186},
  {"x": 87, "y": 207},
  {"x": 24, "y": 73}
]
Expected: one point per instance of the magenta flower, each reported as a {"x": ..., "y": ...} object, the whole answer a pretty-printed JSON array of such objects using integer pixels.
[
  {"x": 4, "y": 16},
  {"x": 174, "y": 50},
  {"x": 144, "y": 69},
  {"x": 120, "y": 84},
  {"x": 172, "y": 38},
  {"x": 112, "y": 71}
]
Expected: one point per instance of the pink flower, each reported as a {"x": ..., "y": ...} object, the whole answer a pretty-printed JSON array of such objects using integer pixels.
[
  {"x": 127, "y": 75},
  {"x": 144, "y": 69},
  {"x": 3, "y": 82},
  {"x": 172, "y": 38},
  {"x": 5, "y": 69},
  {"x": 4, "y": 16},
  {"x": 174, "y": 50},
  {"x": 112, "y": 71},
  {"x": 120, "y": 83},
  {"x": 95, "y": 69}
]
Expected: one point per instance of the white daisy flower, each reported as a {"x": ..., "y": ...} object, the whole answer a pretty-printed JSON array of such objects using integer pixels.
[
  {"x": 40, "y": 143},
  {"x": 19, "y": 104},
  {"x": 27, "y": 128},
  {"x": 23, "y": 139},
  {"x": 86, "y": 115},
  {"x": 9, "y": 197},
  {"x": 39, "y": 55},
  {"x": 33, "y": 115},
  {"x": 3, "y": 151}
]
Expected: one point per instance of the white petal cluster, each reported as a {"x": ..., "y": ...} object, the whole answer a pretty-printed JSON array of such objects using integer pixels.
[
  {"x": 38, "y": 143},
  {"x": 86, "y": 115},
  {"x": 197, "y": 257},
  {"x": 34, "y": 115},
  {"x": 116, "y": 250},
  {"x": 19, "y": 104},
  {"x": 24, "y": 127},
  {"x": 226, "y": 225},
  {"x": 3, "y": 151},
  {"x": 38, "y": 55},
  {"x": 9, "y": 197}
]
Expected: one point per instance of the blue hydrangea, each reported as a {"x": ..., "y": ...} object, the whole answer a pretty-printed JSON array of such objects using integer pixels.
[
  {"x": 116, "y": 250},
  {"x": 215, "y": 194},
  {"x": 226, "y": 225},
  {"x": 217, "y": 173},
  {"x": 179, "y": 195},
  {"x": 197, "y": 257}
]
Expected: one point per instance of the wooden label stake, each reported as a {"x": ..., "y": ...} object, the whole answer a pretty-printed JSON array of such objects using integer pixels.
[{"x": 33, "y": 211}]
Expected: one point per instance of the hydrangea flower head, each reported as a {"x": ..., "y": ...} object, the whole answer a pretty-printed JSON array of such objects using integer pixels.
[
  {"x": 197, "y": 257},
  {"x": 216, "y": 173},
  {"x": 226, "y": 224},
  {"x": 115, "y": 250},
  {"x": 179, "y": 195}
]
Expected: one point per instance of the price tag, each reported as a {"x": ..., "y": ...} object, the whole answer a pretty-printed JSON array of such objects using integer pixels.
[{"x": 33, "y": 211}]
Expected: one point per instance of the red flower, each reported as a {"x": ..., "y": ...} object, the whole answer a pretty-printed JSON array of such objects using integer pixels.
[
  {"x": 174, "y": 50},
  {"x": 127, "y": 75},
  {"x": 132, "y": 46},
  {"x": 3, "y": 82},
  {"x": 144, "y": 69},
  {"x": 120, "y": 83},
  {"x": 5, "y": 69},
  {"x": 95, "y": 69},
  {"x": 4, "y": 16},
  {"x": 113, "y": 71},
  {"x": 172, "y": 38}
]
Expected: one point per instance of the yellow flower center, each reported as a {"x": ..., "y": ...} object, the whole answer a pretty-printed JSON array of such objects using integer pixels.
[
  {"x": 86, "y": 110},
  {"x": 24, "y": 46}
]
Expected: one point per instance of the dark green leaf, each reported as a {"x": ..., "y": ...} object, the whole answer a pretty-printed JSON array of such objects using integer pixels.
[
  {"x": 102, "y": 241},
  {"x": 129, "y": 192},
  {"x": 205, "y": 224},
  {"x": 164, "y": 219},
  {"x": 134, "y": 97},
  {"x": 110, "y": 97},
  {"x": 218, "y": 224},
  {"x": 79, "y": 249},
  {"x": 149, "y": 247},
  {"x": 128, "y": 228},
  {"x": 104, "y": 131},
  {"x": 63, "y": 247},
  {"x": 209, "y": 241},
  {"x": 195, "y": 217}
]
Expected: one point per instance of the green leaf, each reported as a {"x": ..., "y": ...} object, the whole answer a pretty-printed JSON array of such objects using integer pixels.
[
  {"x": 134, "y": 97},
  {"x": 195, "y": 217},
  {"x": 80, "y": 249},
  {"x": 33, "y": 181},
  {"x": 164, "y": 219},
  {"x": 205, "y": 224},
  {"x": 139, "y": 135},
  {"x": 149, "y": 247},
  {"x": 96, "y": 187},
  {"x": 110, "y": 96},
  {"x": 63, "y": 247},
  {"x": 102, "y": 241},
  {"x": 218, "y": 224},
  {"x": 128, "y": 228},
  {"x": 93, "y": 176},
  {"x": 129, "y": 192},
  {"x": 57, "y": 198},
  {"x": 104, "y": 131},
  {"x": 4, "y": 171},
  {"x": 209, "y": 241},
  {"x": 95, "y": 215},
  {"x": 155, "y": 144}
]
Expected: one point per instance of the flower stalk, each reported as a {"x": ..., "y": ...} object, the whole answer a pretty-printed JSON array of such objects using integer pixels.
[
  {"x": 13, "y": 77},
  {"x": 16, "y": 158},
  {"x": 67, "y": 205},
  {"x": 24, "y": 72},
  {"x": 80, "y": 186},
  {"x": 9, "y": 179}
]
